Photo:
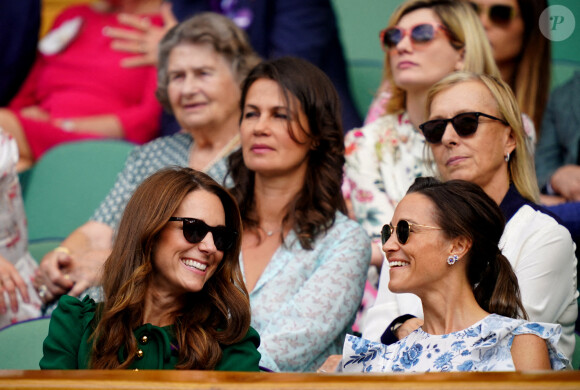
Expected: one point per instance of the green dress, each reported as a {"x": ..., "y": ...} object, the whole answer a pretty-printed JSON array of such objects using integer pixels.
[{"x": 67, "y": 345}]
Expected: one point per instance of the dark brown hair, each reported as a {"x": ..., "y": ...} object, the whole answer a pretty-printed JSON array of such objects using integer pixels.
[
  {"x": 222, "y": 304},
  {"x": 227, "y": 39},
  {"x": 313, "y": 209},
  {"x": 463, "y": 209}
]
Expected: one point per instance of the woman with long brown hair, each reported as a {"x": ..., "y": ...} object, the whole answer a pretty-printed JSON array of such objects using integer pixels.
[
  {"x": 304, "y": 261},
  {"x": 174, "y": 296}
]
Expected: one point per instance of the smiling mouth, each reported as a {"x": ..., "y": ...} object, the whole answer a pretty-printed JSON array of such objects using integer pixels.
[
  {"x": 395, "y": 264},
  {"x": 195, "y": 264}
]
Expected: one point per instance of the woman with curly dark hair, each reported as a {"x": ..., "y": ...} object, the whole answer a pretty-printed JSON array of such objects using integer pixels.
[
  {"x": 304, "y": 261},
  {"x": 174, "y": 291}
]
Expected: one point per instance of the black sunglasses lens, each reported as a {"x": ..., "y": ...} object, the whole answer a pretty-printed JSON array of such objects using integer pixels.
[
  {"x": 500, "y": 14},
  {"x": 392, "y": 37},
  {"x": 422, "y": 33},
  {"x": 194, "y": 231},
  {"x": 224, "y": 238},
  {"x": 465, "y": 124},
  {"x": 385, "y": 233},
  {"x": 403, "y": 230},
  {"x": 433, "y": 130}
]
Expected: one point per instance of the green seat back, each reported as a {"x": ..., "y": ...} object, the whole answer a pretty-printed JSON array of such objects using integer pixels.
[
  {"x": 21, "y": 344},
  {"x": 68, "y": 183}
]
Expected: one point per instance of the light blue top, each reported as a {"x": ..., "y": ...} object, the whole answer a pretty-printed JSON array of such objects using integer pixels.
[
  {"x": 484, "y": 346},
  {"x": 306, "y": 300},
  {"x": 144, "y": 161}
]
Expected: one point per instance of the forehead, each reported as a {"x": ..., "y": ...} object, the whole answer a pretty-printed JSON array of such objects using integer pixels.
[
  {"x": 463, "y": 97},
  {"x": 268, "y": 92},
  {"x": 196, "y": 55},
  {"x": 202, "y": 204},
  {"x": 416, "y": 208},
  {"x": 421, "y": 15}
]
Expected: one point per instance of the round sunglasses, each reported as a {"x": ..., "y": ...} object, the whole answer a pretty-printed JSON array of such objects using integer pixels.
[
  {"x": 464, "y": 124},
  {"x": 195, "y": 230},
  {"x": 498, "y": 14},
  {"x": 403, "y": 231},
  {"x": 420, "y": 33}
]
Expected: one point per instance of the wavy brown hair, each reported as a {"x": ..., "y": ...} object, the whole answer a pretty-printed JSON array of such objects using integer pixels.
[
  {"x": 313, "y": 209},
  {"x": 463, "y": 209},
  {"x": 218, "y": 314}
]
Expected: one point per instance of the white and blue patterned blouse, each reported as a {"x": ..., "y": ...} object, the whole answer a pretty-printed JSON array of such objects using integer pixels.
[
  {"x": 484, "y": 346},
  {"x": 305, "y": 301},
  {"x": 144, "y": 161}
]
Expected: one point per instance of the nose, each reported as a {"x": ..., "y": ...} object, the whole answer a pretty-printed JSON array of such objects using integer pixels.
[
  {"x": 261, "y": 125},
  {"x": 207, "y": 245},
  {"x": 450, "y": 136},
  {"x": 405, "y": 44},
  {"x": 190, "y": 85},
  {"x": 392, "y": 244}
]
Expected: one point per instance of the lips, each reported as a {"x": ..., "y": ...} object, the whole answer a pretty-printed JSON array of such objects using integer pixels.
[
  {"x": 261, "y": 148},
  {"x": 398, "y": 263},
  {"x": 405, "y": 64},
  {"x": 197, "y": 265},
  {"x": 454, "y": 160}
]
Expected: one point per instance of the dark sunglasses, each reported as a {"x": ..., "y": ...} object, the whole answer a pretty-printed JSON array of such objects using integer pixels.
[
  {"x": 464, "y": 124},
  {"x": 499, "y": 14},
  {"x": 420, "y": 33},
  {"x": 403, "y": 230},
  {"x": 195, "y": 230}
]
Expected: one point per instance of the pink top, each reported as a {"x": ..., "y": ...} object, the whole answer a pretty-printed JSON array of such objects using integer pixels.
[{"x": 84, "y": 79}]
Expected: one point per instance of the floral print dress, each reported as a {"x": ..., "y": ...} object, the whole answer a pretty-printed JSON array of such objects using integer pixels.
[
  {"x": 383, "y": 159},
  {"x": 484, "y": 346},
  {"x": 13, "y": 233}
]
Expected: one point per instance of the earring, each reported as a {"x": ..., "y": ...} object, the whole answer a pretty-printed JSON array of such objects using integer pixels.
[
  {"x": 452, "y": 259},
  {"x": 507, "y": 157}
]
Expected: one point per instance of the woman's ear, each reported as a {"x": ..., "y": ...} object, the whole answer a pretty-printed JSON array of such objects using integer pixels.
[
  {"x": 461, "y": 61},
  {"x": 460, "y": 246}
]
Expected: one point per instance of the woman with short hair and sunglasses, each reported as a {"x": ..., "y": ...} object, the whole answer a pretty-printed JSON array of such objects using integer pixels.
[
  {"x": 442, "y": 245},
  {"x": 304, "y": 260},
  {"x": 475, "y": 133},
  {"x": 174, "y": 295},
  {"x": 425, "y": 40}
]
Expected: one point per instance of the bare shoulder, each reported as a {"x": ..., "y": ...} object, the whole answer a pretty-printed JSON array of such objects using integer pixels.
[{"x": 530, "y": 352}]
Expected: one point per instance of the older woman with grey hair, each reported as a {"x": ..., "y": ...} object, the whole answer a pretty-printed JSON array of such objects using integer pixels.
[{"x": 202, "y": 63}]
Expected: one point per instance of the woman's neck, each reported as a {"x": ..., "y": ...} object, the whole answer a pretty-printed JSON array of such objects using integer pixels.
[
  {"x": 415, "y": 106},
  {"x": 211, "y": 145},
  {"x": 160, "y": 308},
  {"x": 272, "y": 195},
  {"x": 507, "y": 70},
  {"x": 450, "y": 308}
]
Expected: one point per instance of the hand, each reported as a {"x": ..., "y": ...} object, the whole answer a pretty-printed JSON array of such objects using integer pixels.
[
  {"x": 36, "y": 113},
  {"x": 551, "y": 200},
  {"x": 52, "y": 278},
  {"x": 143, "y": 39},
  {"x": 408, "y": 327},
  {"x": 10, "y": 282},
  {"x": 566, "y": 182},
  {"x": 330, "y": 364}
]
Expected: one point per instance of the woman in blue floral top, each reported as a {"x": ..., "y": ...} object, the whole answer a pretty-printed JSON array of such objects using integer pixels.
[
  {"x": 442, "y": 245},
  {"x": 304, "y": 261}
]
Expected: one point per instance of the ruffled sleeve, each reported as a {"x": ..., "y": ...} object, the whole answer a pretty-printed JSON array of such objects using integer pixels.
[
  {"x": 497, "y": 335},
  {"x": 66, "y": 346}
]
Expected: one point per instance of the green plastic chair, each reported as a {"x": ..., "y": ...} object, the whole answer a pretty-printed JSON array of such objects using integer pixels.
[
  {"x": 68, "y": 183},
  {"x": 21, "y": 344}
]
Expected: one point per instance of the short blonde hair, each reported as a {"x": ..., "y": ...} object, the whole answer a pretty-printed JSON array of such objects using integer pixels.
[
  {"x": 465, "y": 32},
  {"x": 521, "y": 164}
]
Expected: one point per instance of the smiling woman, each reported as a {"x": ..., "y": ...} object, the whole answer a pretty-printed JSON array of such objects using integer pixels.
[{"x": 174, "y": 296}]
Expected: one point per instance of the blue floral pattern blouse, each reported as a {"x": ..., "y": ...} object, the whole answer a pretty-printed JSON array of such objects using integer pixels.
[{"x": 484, "y": 346}]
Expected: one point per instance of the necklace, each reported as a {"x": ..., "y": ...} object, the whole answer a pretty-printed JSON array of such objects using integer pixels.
[{"x": 270, "y": 233}]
